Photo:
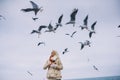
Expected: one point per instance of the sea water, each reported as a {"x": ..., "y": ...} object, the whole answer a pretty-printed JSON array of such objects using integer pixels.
[{"x": 99, "y": 78}]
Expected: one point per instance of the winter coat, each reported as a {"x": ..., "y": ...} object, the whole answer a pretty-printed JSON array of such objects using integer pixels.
[{"x": 54, "y": 72}]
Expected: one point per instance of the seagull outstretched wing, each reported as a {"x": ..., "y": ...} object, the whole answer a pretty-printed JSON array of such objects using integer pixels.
[
  {"x": 34, "y": 4},
  {"x": 60, "y": 18},
  {"x": 93, "y": 25},
  {"x": 86, "y": 20},
  {"x": 73, "y": 14}
]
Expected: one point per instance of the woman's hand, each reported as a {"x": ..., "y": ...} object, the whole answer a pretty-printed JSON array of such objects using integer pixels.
[
  {"x": 53, "y": 65},
  {"x": 49, "y": 63}
]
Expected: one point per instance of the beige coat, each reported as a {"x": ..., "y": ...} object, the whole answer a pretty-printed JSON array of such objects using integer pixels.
[{"x": 54, "y": 73}]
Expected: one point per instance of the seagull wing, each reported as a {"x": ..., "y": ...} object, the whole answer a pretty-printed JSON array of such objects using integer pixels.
[
  {"x": 73, "y": 33},
  {"x": 34, "y": 31},
  {"x": 82, "y": 45},
  {"x": 34, "y": 18},
  {"x": 86, "y": 20},
  {"x": 27, "y": 10},
  {"x": 34, "y": 4},
  {"x": 90, "y": 34},
  {"x": 41, "y": 43},
  {"x": 73, "y": 14},
  {"x": 67, "y": 34},
  {"x": 93, "y": 25},
  {"x": 41, "y": 27},
  {"x": 2, "y": 17},
  {"x": 60, "y": 18}
]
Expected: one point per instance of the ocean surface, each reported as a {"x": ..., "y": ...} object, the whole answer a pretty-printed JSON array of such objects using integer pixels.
[{"x": 99, "y": 78}]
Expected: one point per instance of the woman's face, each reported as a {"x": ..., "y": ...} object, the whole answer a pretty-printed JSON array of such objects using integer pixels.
[{"x": 53, "y": 53}]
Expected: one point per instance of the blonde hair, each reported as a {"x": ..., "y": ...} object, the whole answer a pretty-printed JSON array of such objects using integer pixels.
[{"x": 56, "y": 53}]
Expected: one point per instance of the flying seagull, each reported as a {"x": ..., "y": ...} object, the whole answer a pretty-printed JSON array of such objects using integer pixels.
[
  {"x": 73, "y": 17},
  {"x": 71, "y": 34},
  {"x": 86, "y": 43},
  {"x": 59, "y": 21},
  {"x": 35, "y": 8},
  {"x": 34, "y": 18},
  {"x": 29, "y": 73},
  {"x": 65, "y": 50},
  {"x": 95, "y": 68},
  {"x": 85, "y": 23},
  {"x": 51, "y": 28},
  {"x": 39, "y": 30},
  {"x": 92, "y": 29},
  {"x": 41, "y": 43},
  {"x": 2, "y": 17}
]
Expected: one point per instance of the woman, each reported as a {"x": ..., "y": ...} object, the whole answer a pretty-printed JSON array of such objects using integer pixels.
[{"x": 54, "y": 67}]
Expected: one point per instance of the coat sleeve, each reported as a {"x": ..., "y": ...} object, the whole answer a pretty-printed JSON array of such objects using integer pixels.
[
  {"x": 59, "y": 65},
  {"x": 46, "y": 65}
]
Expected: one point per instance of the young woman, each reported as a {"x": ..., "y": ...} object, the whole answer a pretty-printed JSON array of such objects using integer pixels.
[{"x": 53, "y": 66}]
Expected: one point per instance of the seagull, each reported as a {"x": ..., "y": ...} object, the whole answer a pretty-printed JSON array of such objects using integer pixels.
[
  {"x": 41, "y": 43},
  {"x": 85, "y": 23},
  {"x": 29, "y": 73},
  {"x": 92, "y": 29},
  {"x": 86, "y": 43},
  {"x": 59, "y": 21},
  {"x": 39, "y": 30},
  {"x": 34, "y": 8},
  {"x": 34, "y": 18},
  {"x": 2, "y": 17},
  {"x": 50, "y": 28},
  {"x": 35, "y": 31},
  {"x": 65, "y": 50},
  {"x": 73, "y": 17},
  {"x": 72, "y": 34},
  {"x": 95, "y": 68}
]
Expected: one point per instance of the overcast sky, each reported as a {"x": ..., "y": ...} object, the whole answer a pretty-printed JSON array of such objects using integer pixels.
[{"x": 19, "y": 52}]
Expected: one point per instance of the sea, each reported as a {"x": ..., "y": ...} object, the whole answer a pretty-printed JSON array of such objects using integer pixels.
[{"x": 99, "y": 78}]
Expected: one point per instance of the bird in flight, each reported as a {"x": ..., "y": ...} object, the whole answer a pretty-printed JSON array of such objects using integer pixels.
[
  {"x": 65, "y": 50},
  {"x": 35, "y": 8},
  {"x": 29, "y": 73},
  {"x": 50, "y": 28},
  {"x": 39, "y": 30},
  {"x": 34, "y": 18},
  {"x": 85, "y": 23},
  {"x": 71, "y": 35},
  {"x": 73, "y": 17},
  {"x": 95, "y": 68},
  {"x": 41, "y": 43},
  {"x": 86, "y": 43},
  {"x": 2, "y": 17},
  {"x": 59, "y": 21},
  {"x": 92, "y": 29}
]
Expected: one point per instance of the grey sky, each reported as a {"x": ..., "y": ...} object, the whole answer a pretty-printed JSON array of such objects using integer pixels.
[{"x": 19, "y": 51}]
